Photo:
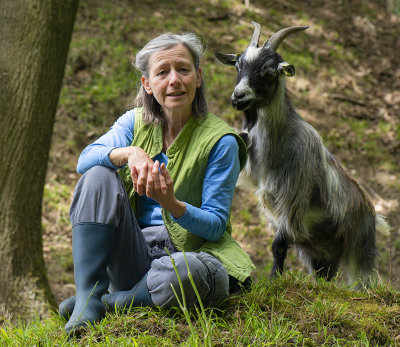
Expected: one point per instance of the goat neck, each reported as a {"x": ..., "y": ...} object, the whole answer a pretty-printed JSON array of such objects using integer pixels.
[{"x": 273, "y": 123}]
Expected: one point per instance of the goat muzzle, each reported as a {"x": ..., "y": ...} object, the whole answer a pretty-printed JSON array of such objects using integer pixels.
[{"x": 241, "y": 102}]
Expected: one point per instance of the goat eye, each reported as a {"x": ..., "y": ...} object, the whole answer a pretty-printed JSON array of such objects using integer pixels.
[{"x": 268, "y": 72}]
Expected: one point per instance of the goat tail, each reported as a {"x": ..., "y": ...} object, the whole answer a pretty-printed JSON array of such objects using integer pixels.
[{"x": 381, "y": 225}]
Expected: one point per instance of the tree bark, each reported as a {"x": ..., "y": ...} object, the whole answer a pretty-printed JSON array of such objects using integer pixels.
[{"x": 34, "y": 36}]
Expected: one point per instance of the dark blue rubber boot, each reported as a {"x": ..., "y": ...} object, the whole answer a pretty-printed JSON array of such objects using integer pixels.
[
  {"x": 91, "y": 249},
  {"x": 122, "y": 300},
  {"x": 67, "y": 307},
  {"x": 137, "y": 296}
]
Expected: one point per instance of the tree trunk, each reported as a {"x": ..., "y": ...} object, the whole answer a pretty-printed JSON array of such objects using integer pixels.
[
  {"x": 389, "y": 5},
  {"x": 34, "y": 36}
]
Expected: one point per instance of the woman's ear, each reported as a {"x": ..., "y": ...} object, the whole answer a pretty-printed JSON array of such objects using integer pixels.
[
  {"x": 146, "y": 85},
  {"x": 199, "y": 74}
]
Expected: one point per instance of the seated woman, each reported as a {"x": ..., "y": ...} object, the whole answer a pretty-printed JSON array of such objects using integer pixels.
[{"x": 162, "y": 178}]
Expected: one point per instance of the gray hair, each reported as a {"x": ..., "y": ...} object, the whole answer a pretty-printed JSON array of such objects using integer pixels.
[{"x": 152, "y": 112}]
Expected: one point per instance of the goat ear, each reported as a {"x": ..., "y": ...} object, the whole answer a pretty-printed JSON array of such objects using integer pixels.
[
  {"x": 287, "y": 69},
  {"x": 227, "y": 59}
]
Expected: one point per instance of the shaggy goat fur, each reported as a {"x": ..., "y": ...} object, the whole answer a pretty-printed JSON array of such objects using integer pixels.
[{"x": 304, "y": 191}]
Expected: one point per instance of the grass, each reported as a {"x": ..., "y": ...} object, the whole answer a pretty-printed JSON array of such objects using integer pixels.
[
  {"x": 205, "y": 321},
  {"x": 291, "y": 310}
]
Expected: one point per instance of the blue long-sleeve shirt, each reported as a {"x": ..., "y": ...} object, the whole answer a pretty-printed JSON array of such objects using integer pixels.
[{"x": 209, "y": 221}]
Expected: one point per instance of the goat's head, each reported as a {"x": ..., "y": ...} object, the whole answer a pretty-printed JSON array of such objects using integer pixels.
[{"x": 259, "y": 69}]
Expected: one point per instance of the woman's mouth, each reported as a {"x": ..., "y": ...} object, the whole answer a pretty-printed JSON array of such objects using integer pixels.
[{"x": 176, "y": 94}]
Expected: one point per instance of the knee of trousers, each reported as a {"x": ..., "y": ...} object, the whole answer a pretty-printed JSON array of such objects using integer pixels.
[
  {"x": 98, "y": 176},
  {"x": 209, "y": 276},
  {"x": 95, "y": 196}
]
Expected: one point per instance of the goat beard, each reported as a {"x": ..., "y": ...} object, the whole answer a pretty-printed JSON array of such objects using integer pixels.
[{"x": 250, "y": 119}]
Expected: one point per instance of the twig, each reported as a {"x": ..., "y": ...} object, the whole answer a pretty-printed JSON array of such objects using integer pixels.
[{"x": 347, "y": 99}]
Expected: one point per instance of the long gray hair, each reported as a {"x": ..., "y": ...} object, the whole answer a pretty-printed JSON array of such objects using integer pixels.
[{"x": 152, "y": 112}]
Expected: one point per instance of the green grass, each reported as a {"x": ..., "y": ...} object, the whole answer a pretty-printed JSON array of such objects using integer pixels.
[{"x": 291, "y": 310}]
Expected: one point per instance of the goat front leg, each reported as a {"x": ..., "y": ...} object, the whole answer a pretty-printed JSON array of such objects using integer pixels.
[
  {"x": 246, "y": 138},
  {"x": 279, "y": 250}
]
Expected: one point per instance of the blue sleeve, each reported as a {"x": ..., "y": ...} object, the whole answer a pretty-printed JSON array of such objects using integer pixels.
[
  {"x": 223, "y": 167},
  {"x": 119, "y": 135}
]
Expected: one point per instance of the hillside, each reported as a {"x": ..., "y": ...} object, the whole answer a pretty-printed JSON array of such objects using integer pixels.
[{"x": 346, "y": 86}]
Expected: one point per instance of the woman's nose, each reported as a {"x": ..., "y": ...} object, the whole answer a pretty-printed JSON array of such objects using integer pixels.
[{"x": 174, "y": 78}]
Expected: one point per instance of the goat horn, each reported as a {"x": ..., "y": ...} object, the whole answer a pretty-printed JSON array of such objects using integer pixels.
[
  {"x": 277, "y": 38},
  {"x": 256, "y": 34}
]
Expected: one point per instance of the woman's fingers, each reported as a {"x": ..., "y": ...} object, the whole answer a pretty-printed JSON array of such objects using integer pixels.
[
  {"x": 142, "y": 180},
  {"x": 166, "y": 175},
  {"x": 153, "y": 181},
  {"x": 139, "y": 163},
  {"x": 163, "y": 184},
  {"x": 156, "y": 175},
  {"x": 134, "y": 176},
  {"x": 150, "y": 183}
]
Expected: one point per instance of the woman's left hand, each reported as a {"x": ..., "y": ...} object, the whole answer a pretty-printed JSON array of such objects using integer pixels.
[{"x": 160, "y": 187}]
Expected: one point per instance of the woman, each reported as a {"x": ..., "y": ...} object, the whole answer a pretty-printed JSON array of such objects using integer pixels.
[{"x": 177, "y": 169}]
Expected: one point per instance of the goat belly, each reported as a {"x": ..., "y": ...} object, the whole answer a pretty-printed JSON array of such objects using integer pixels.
[
  {"x": 268, "y": 202},
  {"x": 322, "y": 240}
]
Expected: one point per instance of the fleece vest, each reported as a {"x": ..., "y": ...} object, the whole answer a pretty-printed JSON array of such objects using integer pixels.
[{"x": 187, "y": 162}]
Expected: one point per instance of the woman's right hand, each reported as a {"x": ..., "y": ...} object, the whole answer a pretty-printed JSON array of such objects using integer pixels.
[{"x": 139, "y": 164}]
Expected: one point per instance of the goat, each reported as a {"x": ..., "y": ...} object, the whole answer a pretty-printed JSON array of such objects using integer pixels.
[{"x": 309, "y": 199}]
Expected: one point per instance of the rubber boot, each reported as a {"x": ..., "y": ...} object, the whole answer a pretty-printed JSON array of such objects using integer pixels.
[
  {"x": 91, "y": 249},
  {"x": 137, "y": 296},
  {"x": 67, "y": 307},
  {"x": 119, "y": 300}
]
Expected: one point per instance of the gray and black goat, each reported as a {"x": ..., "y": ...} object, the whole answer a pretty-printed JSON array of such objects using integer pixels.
[{"x": 306, "y": 194}]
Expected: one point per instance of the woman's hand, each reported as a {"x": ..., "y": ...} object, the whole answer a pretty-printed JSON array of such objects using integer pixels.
[
  {"x": 160, "y": 187},
  {"x": 149, "y": 178},
  {"x": 139, "y": 163}
]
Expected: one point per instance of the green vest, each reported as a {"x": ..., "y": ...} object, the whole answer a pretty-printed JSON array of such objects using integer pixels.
[{"x": 187, "y": 162}]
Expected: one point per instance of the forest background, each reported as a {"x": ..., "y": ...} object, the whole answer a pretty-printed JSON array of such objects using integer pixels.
[{"x": 347, "y": 85}]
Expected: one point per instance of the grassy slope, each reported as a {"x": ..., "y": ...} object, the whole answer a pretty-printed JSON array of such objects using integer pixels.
[
  {"x": 291, "y": 310},
  {"x": 346, "y": 86}
]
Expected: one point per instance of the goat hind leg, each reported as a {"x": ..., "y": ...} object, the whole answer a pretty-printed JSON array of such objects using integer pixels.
[
  {"x": 361, "y": 255},
  {"x": 324, "y": 268},
  {"x": 279, "y": 250}
]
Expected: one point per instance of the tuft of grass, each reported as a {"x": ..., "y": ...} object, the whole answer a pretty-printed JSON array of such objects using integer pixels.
[{"x": 204, "y": 321}]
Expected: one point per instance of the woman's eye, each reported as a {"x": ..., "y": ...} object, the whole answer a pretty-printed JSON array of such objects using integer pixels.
[{"x": 160, "y": 73}]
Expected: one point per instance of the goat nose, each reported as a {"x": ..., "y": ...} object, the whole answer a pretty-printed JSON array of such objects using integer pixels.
[
  {"x": 238, "y": 94},
  {"x": 242, "y": 98}
]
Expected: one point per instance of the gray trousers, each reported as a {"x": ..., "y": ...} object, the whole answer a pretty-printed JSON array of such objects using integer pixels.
[{"x": 100, "y": 197}]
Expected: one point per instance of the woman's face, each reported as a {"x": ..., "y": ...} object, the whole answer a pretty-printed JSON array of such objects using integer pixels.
[{"x": 173, "y": 79}]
